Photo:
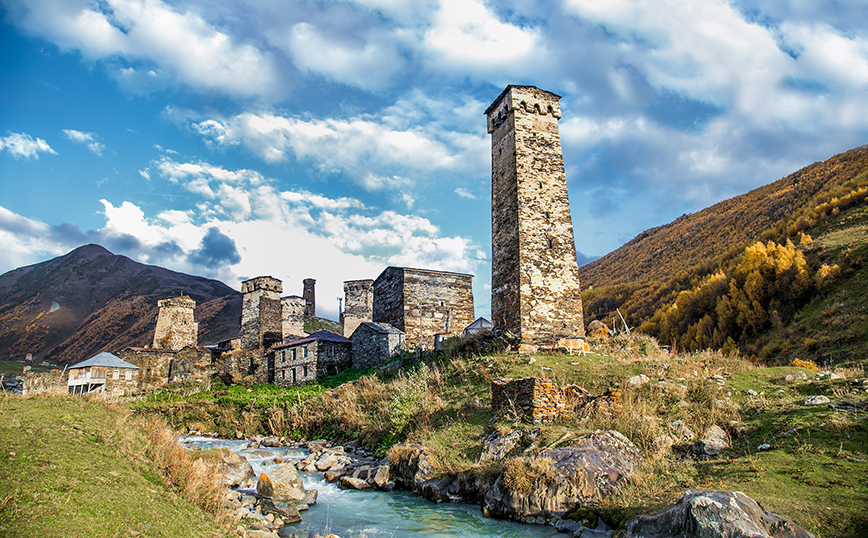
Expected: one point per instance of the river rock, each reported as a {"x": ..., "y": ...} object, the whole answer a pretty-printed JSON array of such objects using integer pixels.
[
  {"x": 287, "y": 511},
  {"x": 271, "y": 442},
  {"x": 236, "y": 469},
  {"x": 578, "y": 476},
  {"x": 348, "y": 482},
  {"x": 495, "y": 447},
  {"x": 715, "y": 514},
  {"x": 327, "y": 462},
  {"x": 281, "y": 483},
  {"x": 310, "y": 496}
]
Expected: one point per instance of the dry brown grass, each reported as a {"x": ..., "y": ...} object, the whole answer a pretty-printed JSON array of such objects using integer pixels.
[
  {"x": 520, "y": 474},
  {"x": 197, "y": 480}
]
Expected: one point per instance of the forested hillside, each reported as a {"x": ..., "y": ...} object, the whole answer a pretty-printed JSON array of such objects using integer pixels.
[{"x": 778, "y": 272}]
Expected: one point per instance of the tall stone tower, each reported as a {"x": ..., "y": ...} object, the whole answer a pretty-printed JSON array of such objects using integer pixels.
[
  {"x": 535, "y": 292},
  {"x": 261, "y": 316},
  {"x": 176, "y": 324},
  {"x": 292, "y": 309},
  {"x": 309, "y": 295},
  {"x": 358, "y": 304}
]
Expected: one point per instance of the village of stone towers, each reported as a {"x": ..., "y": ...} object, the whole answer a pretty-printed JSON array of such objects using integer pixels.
[{"x": 533, "y": 423}]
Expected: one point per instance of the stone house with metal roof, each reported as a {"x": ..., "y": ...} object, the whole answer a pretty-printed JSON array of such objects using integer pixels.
[
  {"x": 103, "y": 372},
  {"x": 306, "y": 359},
  {"x": 375, "y": 344}
]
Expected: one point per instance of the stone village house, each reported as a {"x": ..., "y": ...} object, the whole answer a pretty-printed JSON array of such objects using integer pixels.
[
  {"x": 375, "y": 344},
  {"x": 105, "y": 373},
  {"x": 304, "y": 360}
]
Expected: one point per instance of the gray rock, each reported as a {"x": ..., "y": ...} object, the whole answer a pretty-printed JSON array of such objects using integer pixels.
[
  {"x": 715, "y": 514},
  {"x": 495, "y": 447},
  {"x": 817, "y": 400},
  {"x": 640, "y": 379},
  {"x": 579, "y": 475},
  {"x": 287, "y": 511},
  {"x": 348, "y": 482},
  {"x": 682, "y": 433},
  {"x": 750, "y": 392},
  {"x": 790, "y": 378},
  {"x": 281, "y": 483},
  {"x": 270, "y": 442},
  {"x": 713, "y": 442}
]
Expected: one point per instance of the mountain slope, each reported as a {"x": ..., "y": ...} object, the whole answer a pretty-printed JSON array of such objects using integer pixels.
[
  {"x": 672, "y": 280},
  {"x": 90, "y": 300}
]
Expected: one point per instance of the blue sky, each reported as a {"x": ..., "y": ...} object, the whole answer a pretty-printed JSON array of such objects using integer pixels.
[{"x": 331, "y": 139}]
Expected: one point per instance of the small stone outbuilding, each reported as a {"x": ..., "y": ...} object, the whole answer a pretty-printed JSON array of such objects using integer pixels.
[
  {"x": 304, "y": 360},
  {"x": 103, "y": 372},
  {"x": 375, "y": 344}
]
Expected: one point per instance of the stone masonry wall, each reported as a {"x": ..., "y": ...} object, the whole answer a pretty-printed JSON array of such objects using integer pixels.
[
  {"x": 293, "y": 369},
  {"x": 292, "y": 314},
  {"x": 261, "y": 316},
  {"x": 423, "y": 303},
  {"x": 176, "y": 324},
  {"x": 535, "y": 282},
  {"x": 534, "y": 399},
  {"x": 358, "y": 304},
  {"x": 373, "y": 348},
  {"x": 154, "y": 364}
]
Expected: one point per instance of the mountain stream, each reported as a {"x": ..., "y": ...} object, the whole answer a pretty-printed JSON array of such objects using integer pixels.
[{"x": 372, "y": 514}]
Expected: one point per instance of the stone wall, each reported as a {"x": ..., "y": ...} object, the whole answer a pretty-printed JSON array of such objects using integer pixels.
[
  {"x": 358, "y": 304},
  {"x": 533, "y": 399},
  {"x": 535, "y": 281},
  {"x": 122, "y": 381},
  {"x": 239, "y": 366},
  {"x": 176, "y": 324},
  {"x": 292, "y": 314},
  {"x": 423, "y": 303},
  {"x": 53, "y": 381},
  {"x": 292, "y": 368},
  {"x": 261, "y": 315},
  {"x": 309, "y": 294},
  {"x": 154, "y": 364},
  {"x": 374, "y": 344}
]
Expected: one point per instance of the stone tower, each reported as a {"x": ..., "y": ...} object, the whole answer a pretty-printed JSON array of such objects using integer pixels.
[
  {"x": 261, "y": 316},
  {"x": 176, "y": 325},
  {"x": 309, "y": 295},
  {"x": 358, "y": 304},
  {"x": 292, "y": 309},
  {"x": 535, "y": 292}
]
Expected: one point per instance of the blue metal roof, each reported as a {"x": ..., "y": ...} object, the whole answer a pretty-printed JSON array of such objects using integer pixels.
[{"x": 104, "y": 359}]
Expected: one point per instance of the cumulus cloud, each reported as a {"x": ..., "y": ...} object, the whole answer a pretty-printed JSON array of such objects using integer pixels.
[
  {"x": 158, "y": 42},
  {"x": 89, "y": 139},
  {"x": 23, "y": 145}
]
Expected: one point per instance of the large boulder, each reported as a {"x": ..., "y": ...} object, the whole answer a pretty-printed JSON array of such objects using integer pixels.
[
  {"x": 236, "y": 469},
  {"x": 281, "y": 483},
  {"x": 715, "y": 514},
  {"x": 545, "y": 488}
]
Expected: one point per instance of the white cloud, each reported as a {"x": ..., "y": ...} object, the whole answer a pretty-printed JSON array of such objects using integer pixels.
[
  {"x": 184, "y": 46},
  {"x": 23, "y": 145},
  {"x": 89, "y": 139},
  {"x": 376, "y": 154},
  {"x": 464, "y": 193}
]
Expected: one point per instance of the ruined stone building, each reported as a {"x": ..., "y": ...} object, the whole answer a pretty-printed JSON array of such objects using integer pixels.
[
  {"x": 358, "y": 304},
  {"x": 535, "y": 292},
  {"x": 306, "y": 359},
  {"x": 423, "y": 303},
  {"x": 375, "y": 344},
  {"x": 176, "y": 324}
]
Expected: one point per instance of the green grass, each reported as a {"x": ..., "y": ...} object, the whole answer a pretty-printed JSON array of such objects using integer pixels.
[
  {"x": 70, "y": 467},
  {"x": 15, "y": 367}
]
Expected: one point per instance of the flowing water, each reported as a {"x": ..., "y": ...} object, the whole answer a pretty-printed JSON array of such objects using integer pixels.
[{"x": 372, "y": 514}]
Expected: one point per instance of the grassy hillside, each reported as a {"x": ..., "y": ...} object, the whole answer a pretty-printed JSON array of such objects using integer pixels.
[
  {"x": 815, "y": 474},
  {"x": 736, "y": 275},
  {"x": 76, "y": 468}
]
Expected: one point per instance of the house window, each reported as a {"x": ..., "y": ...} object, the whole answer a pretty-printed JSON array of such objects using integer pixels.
[
  {"x": 293, "y": 354},
  {"x": 128, "y": 375},
  {"x": 294, "y": 380},
  {"x": 304, "y": 352},
  {"x": 330, "y": 350},
  {"x": 304, "y": 371},
  {"x": 116, "y": 374}
]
